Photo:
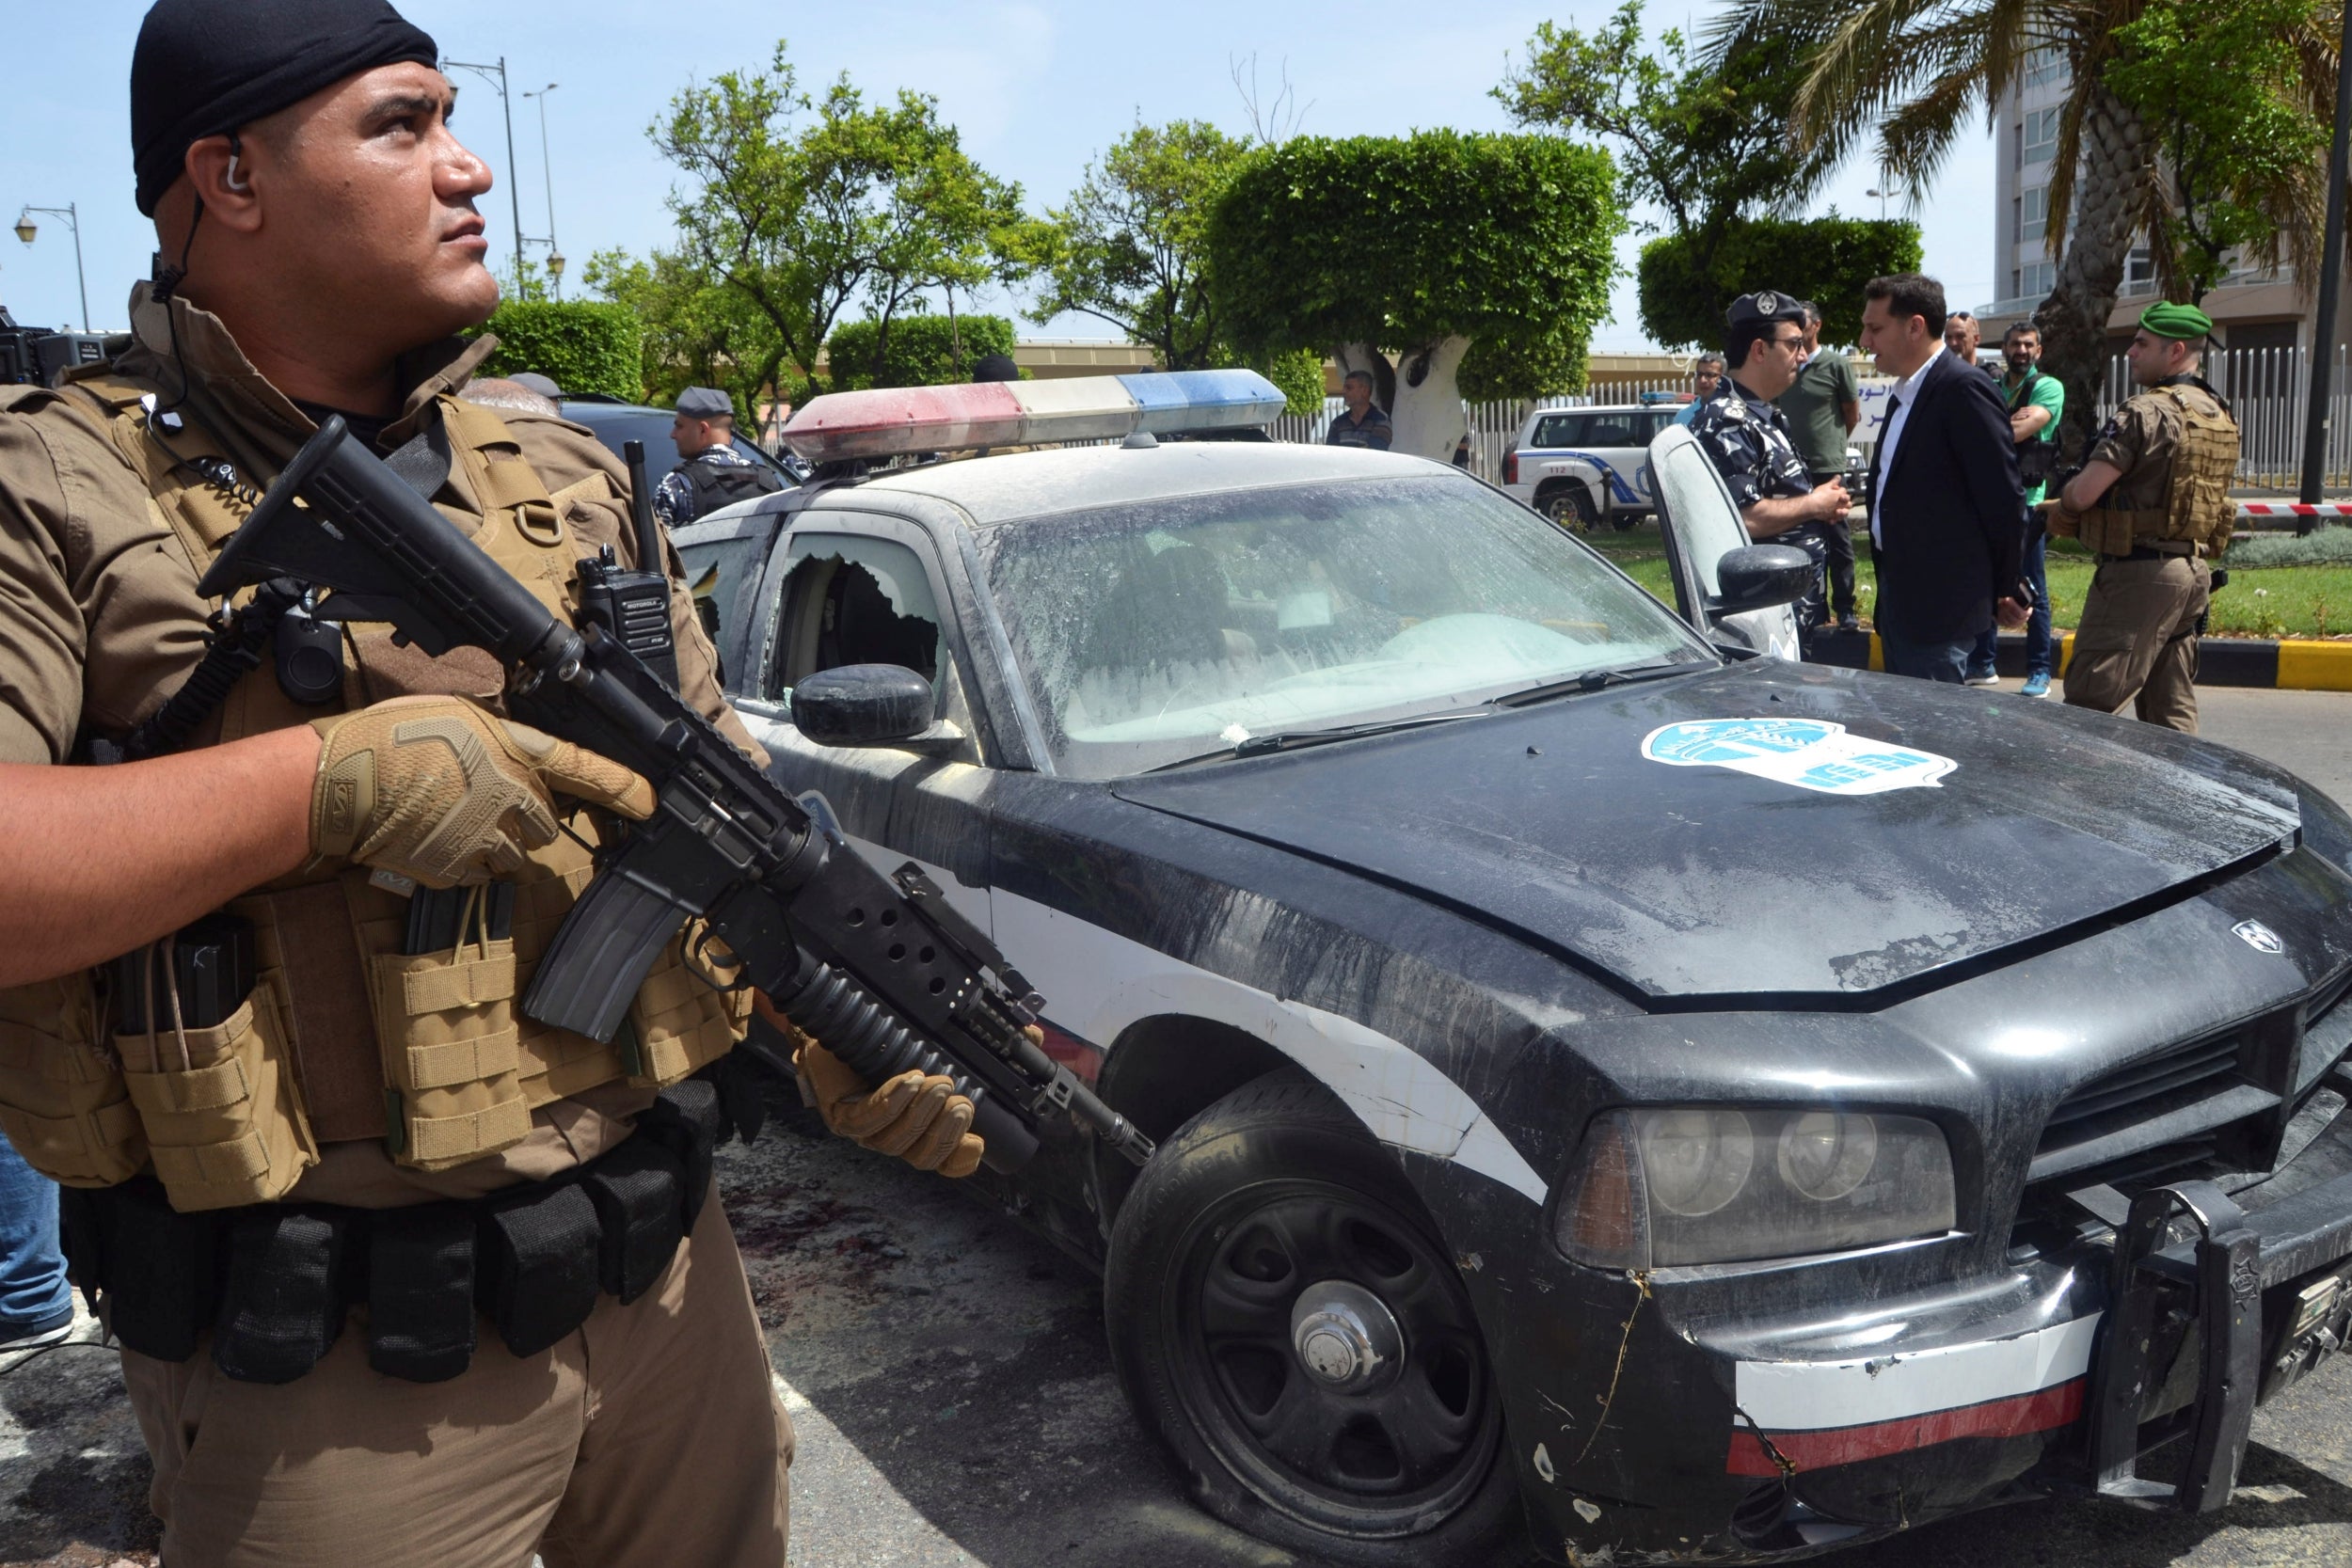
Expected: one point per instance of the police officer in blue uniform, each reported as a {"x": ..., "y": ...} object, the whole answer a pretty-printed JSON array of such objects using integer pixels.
[
  {"x": 710, "y": 472},
  {"x": 1747, "y": 440}
]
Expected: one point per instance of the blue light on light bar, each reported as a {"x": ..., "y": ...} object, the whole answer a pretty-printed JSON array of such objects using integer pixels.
[{"x": 1203, "y": 400}]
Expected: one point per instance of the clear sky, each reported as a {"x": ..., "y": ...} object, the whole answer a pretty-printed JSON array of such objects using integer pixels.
[{"x": 1037, "y": 88}]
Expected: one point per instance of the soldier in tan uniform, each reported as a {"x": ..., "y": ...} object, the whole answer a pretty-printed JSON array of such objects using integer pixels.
[
  {"x": 401, "y": 1275},
  {"x": 2153, "y": 503}
]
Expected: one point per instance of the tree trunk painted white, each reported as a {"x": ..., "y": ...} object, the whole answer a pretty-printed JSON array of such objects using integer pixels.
[
  {"x": 1428, "y": 408},
  {"x": 1422, "y": 392},
  {"x": 2109, "y": 196}
]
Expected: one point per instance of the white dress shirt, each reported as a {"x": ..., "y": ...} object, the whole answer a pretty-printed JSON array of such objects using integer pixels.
[{"x": 1906, "y": 393}]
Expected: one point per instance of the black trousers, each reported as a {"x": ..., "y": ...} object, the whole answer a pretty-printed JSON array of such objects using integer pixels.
[{"x": 1840, "y": 542}]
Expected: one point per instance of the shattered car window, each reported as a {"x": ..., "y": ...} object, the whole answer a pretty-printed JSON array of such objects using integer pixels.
[
  {"x": 850, "y": 600},
  {"x": 1150, "y": 632}
]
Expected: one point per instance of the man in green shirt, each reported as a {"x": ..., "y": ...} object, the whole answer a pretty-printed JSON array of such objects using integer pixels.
[
  {"x": 2036, "y": 402},
  {"x": 1822, "y": 408}
]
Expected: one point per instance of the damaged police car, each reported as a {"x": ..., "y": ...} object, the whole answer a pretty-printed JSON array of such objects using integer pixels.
[{"x": 1675, "y": 1102}]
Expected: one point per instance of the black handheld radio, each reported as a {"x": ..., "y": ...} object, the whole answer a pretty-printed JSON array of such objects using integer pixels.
[{"x": 633, "y": 606}]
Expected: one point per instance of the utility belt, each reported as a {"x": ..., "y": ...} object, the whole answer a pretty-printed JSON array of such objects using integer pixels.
[
  {"x": 2165, "y": 549},
  {"x": 274, "y": 1282}
]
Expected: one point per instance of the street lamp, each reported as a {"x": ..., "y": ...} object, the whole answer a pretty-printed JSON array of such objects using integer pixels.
[
  {"x": 495, "y": 77},
  {"x": 1897, "y": 193},
  {"x": 546, "y": 167},
  {"x": 28, "y": 231}
]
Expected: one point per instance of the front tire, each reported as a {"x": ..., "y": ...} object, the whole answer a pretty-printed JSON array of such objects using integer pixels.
[
  {"x": 1287, "y": 1324},
  {"x": 1569, "y": 506}
]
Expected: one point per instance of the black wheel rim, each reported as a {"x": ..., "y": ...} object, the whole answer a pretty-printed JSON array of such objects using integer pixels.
[{"x": 1391, "y": 1459}]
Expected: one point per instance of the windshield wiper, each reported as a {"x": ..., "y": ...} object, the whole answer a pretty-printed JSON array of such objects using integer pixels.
[
  {"x": 1286, "y": 740},
  {"x": 1594, "y": 680}
]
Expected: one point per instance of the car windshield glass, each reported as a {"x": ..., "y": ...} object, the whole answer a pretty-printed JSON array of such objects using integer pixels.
[{"x": 1155, "y": 632}]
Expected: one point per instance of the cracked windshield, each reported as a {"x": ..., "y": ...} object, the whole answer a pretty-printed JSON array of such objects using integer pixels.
[{"x": 1158, "y": 632}]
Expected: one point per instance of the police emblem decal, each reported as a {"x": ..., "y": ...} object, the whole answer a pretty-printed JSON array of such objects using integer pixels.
[
  {"x": 2259, "y": 937},
  {"x": 1810, "y": 753}
]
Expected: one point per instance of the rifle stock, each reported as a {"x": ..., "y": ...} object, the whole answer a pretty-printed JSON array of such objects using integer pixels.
[{"x": 807, "y": 919}]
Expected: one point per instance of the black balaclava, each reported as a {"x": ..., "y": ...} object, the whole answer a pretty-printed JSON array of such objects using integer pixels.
[{"x": 204, "y": 68}]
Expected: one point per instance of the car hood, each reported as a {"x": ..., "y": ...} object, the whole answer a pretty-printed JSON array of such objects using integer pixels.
[{"x": 1637, "y": 833}]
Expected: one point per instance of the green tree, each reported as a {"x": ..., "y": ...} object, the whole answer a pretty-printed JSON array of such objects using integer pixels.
[
  {"x": 1914, "y": 76},
  {"x": 583, "y": 345},
  {"x": 921, "y": 351},
  {"x": 1705, "y": 145},
  {"x": 1826, "y": 260},
  {"x": 794, "y": 208},
  {"x": 1130, "y": 247},
  {"x": 2242, "y": 154},
  {"x": 1430, "y": 247},
  {"x": 696, "y": 332}
]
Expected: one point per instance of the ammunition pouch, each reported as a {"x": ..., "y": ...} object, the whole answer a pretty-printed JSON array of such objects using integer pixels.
[
  {"x": 274, "y": 1283},
  {"x": 345, "y": 1035},
  {"x": 2197, "y": 506}
]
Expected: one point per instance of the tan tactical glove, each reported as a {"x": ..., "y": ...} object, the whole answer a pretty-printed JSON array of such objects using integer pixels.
[
  {"x": 437, "y": 789},
  {"x": 920, "y": 1119}
]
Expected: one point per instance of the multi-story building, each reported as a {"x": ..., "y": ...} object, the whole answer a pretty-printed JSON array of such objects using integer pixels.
[{"x": 2251, "y": 308}]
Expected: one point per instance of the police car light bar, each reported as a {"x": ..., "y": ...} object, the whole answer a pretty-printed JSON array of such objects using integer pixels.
[{"x": 887, "y": 422}]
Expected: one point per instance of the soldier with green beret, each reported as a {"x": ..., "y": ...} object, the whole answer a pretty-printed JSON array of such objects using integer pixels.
[{"x": 2153, "y": 503}]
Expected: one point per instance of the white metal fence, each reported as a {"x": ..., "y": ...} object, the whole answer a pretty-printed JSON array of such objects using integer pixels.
[
  {"x": 2269, "y": 389},
  {"x": 1494, "y": 427}
]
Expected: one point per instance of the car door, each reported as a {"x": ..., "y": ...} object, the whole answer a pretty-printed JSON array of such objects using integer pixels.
[
  {"x": 848, "y": 587},
  {"x": 726, "y": 560},
  {"x": 1700, "y": 526}
]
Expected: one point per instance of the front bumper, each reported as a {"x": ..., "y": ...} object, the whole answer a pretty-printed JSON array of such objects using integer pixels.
[{"x": 1751, "y": 1420}]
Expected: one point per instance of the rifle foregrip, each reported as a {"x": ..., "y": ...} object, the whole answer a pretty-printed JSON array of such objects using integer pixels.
[
  {"x": 590, "y": 970},
  {"x": 834, "y": 1010}
]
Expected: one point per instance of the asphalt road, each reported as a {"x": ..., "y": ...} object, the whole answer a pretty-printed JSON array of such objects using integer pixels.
[{"x": 955, "y": 1404}]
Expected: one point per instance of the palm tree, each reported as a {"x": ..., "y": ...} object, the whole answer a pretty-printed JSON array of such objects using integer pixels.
[{"x": 1917, "y": 73}]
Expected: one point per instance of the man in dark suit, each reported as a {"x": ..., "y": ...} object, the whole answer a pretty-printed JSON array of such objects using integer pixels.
[{"x": 1947, "y": 511}]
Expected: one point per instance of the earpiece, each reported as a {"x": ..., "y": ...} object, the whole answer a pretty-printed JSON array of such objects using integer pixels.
[{"x": 234, "y": 180}]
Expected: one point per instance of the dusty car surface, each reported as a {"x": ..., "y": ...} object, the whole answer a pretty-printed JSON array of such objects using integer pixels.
[{"x": 1679, "y": 1103}]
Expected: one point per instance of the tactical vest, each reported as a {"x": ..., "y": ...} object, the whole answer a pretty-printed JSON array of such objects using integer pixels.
[
  {"x": 2196, "y": 509},
  {"x": 344, "y": 1037},
  {"x": 718, "y": 484}
]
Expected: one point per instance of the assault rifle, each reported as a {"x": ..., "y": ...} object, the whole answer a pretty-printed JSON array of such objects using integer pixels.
[
  {"x": 879, "y": 968},
  {"x": 34, "y": 356}
]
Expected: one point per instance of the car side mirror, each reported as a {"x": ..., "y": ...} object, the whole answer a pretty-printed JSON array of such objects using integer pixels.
[
  {"x": 869, "y": 704},
  {"x": 1758, "y": 576}
]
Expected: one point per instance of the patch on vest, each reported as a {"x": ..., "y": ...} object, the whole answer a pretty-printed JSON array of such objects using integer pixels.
[{"x": 1810, "y": 753}]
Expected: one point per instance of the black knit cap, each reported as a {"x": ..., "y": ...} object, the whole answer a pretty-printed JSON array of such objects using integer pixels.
[{"x": 207, "y": 67}]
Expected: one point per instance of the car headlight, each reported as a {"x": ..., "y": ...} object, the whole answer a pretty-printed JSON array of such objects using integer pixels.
[{"x": 1709, "y": 1184}]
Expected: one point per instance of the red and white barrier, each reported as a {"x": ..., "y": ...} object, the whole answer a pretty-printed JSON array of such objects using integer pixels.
[{"x": 2294, "y": 509}]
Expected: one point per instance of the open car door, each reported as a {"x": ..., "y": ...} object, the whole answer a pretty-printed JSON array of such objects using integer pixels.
[{"x": 1701, "y": 526}]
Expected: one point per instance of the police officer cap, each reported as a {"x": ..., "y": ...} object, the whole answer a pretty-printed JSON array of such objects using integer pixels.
[
  {"x": 2165, "y": 318},
  {"x": 706, "y": 403},
  {"x": 1764, "y": 306}
]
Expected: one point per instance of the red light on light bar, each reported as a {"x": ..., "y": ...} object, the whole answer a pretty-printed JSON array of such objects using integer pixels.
[{"x": 885, "y": 421}]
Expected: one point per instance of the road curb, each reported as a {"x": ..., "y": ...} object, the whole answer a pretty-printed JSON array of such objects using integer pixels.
[{"x": 2285, "y": 664}]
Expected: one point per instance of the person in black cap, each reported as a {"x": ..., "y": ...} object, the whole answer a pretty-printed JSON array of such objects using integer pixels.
[
  {"x": 712, "y": 473},
  {"x": 398, "y": 1276},
  {"x": 1746, "y": 438}
]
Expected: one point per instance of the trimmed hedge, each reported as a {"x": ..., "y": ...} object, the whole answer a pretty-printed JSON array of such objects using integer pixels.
[
  {"x": 922, "y": 351},
  {"x": 1823, "y": 259},
  {"x": 585, "y": 346}
]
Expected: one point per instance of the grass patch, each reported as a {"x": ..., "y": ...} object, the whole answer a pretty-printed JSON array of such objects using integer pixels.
[{"x": 2262, "y": 600}]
